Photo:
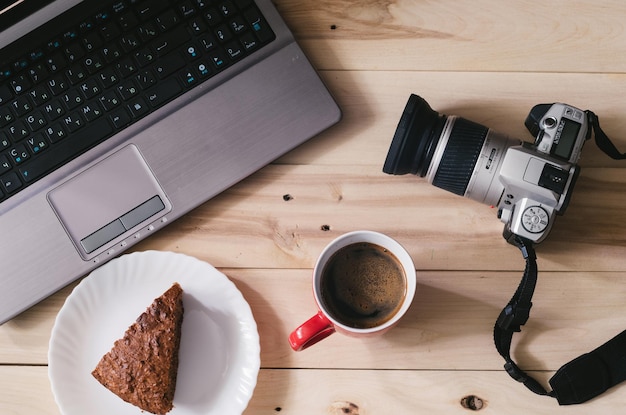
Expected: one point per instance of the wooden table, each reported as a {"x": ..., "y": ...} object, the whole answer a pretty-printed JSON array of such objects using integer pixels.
[{"x": 488, "y": 61}]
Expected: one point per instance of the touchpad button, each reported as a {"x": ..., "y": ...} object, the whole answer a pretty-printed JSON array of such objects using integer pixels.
[{"x": 104, "y": 203}]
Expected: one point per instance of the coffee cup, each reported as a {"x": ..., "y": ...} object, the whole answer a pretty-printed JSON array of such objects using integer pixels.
[{"x": 363, "y": 283}]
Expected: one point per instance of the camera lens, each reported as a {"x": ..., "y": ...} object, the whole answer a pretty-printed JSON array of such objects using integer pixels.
[{"x": 457, "y": 155}]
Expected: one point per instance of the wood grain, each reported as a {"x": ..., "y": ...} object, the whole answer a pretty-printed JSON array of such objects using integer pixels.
[
  {"x": 347, "y": 392},
  {"x": 486, "y": 36}
]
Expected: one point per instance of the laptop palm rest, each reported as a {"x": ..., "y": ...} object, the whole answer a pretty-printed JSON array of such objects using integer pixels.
[{"x": 104, "y": 204}]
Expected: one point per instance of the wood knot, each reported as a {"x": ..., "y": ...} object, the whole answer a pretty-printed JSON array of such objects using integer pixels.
[
  {"x": 473, "y": 403},
  {"x": 344, "y": 408}
]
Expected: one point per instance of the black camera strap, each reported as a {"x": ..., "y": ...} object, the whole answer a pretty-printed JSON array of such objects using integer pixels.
[
  {"x": 576, "y": 382},
  {"x": 602, "y": 141}
]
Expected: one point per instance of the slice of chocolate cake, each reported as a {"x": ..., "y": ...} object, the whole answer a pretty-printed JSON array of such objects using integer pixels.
[{"x": 141, "y": 367}]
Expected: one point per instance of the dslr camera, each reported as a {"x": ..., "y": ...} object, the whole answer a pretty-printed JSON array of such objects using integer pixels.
[{"x": 530, "y": 183}]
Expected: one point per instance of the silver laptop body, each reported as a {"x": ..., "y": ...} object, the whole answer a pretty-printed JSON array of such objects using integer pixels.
[{"x": 125, "y": 189}]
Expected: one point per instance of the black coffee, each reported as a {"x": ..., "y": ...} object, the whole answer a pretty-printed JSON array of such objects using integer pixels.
[{"x": 363, "y": 285}]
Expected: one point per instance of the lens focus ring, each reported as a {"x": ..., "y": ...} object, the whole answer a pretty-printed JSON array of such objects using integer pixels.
[{"x": 460, "y": 156}]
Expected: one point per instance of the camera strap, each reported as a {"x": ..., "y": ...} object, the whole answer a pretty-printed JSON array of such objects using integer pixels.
[
  {"x": 576, "y": 382},
  {"x": 602, "y": 141}
]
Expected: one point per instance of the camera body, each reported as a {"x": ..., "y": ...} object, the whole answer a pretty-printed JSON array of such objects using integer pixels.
[
  {"x": 538, "y": 178},
  {"x": 530, "y": 183}
]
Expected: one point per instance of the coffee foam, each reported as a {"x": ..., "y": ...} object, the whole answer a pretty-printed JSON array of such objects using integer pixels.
[{"x": 363, "y": 285}]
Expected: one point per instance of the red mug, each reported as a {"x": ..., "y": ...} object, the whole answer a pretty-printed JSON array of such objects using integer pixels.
[{"x": 348, "y": 305}]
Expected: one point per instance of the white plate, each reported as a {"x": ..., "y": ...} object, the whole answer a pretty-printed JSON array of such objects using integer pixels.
[{"x": 219, "y": 350}]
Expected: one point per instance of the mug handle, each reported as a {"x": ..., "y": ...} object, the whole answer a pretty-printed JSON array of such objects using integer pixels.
[{"x": 310, "y": 332}]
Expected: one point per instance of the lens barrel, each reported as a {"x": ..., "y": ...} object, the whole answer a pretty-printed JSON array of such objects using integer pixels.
[
  {"x": 417, "y": 141},
  {"x": 458, "y": 161}
]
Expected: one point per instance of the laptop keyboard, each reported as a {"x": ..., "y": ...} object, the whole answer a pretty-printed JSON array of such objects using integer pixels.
[{"x": 64, "y": 94}]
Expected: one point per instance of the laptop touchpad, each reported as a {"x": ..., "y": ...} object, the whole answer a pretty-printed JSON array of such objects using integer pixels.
[{"x": 107, "y": 202}]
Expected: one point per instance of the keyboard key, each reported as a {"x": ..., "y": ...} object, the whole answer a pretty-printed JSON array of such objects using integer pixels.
[
  {"x": 127, "y": 90},
  {"x": 138, "y": 108},
  {"x": 130, "y": 42},
  {"x": 56, "y": 132},
  {"x": 93, "y": 63},
  {"x": 219, "y": 59},
  {"x": 5, "y": 164},
  {"x": 145, "y": 57},
  {"x": 74, "y": 52},
  {"x": 208, "y": 41},
  {"x": 91, "y": 111},
  {"x": 54, "y": 109},
  {"x": 258, "y": 24},
  {"x": 40, "y": 95},
  {"x": 119, "y": 7},
  {"x": 223, "y": 33},
  {"x": 56, "y": 62},
  {"x": 5, "y": 94},
  {"x": 227, "y": 8},
  {"x": 126, "y": 67},
  {"x": 163, "y": 92},
  {"x": 108, "y": 78},
  {"x": 37, "y": 73},
  {"x": 237, "y": 25},
  {"x": 187, "y": 9},
  {"x": 189, "y": 78},
  {"x": 235, "y": 50},
  {"x": 170, "y": 41},
  {"x": 167, "y": 20},
  {"x": 120, "y": 118},
  {"x": 21, "y": 106},
  {"x": 147, "y": 31},
  {"x": 6, "y": 116},
  {"x": 168, "y": 65},
  {"x": 73, "y": 121},
  {"x": 18, "y": 132},
  {"x": 4, "y": 142},
  {"x": 109, "y": 31},
  {"x": 149, "y": 9},
  {"x": 203, "y": 69},
  {"x": 20, "y": 84},
  {"x": 57, "y": 85},
  {"x": 248, "y": 41},
  {"x": 197, "y": 25},
  {"x": 111, "y": 52},
  {"x": 146, "y": 79},
  {"x": 109, "y": 100},
  {"x": 10, "y": 182},
  {"x": 90, "y": 88},
  {"x": 37, "y": 144},
  {"x": 72, "y": 99},
  {"x": 18, "y": 154},
  {"x": 76, "y": 74},
  {"x": 36, "y": 120},
  {"x": 127, "y": 21},
  {"x": 213, "y": 17},
  {"x": 92, "y": 41}
]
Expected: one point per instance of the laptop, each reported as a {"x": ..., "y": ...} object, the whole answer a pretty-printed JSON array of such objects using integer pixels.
[{"x": 117, "y": 117}]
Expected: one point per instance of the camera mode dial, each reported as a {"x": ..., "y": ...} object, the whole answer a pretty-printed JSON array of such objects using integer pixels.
[{"x": 535, "y": 219}]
